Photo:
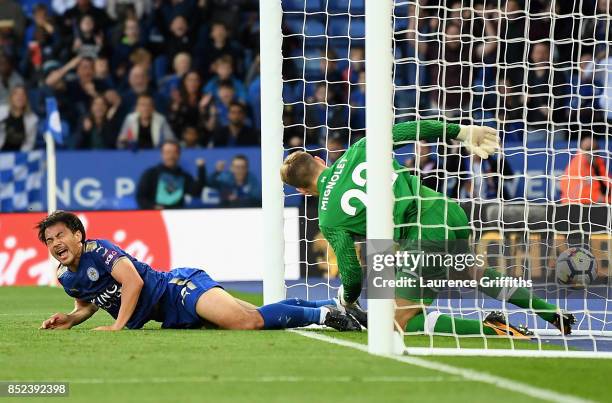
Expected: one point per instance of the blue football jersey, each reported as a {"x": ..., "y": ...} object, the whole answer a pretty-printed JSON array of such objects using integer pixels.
[{"x": 94, "y": 283}]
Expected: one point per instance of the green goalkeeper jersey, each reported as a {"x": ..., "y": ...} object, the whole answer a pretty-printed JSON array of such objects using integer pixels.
[{"x": 343, "y": 200}]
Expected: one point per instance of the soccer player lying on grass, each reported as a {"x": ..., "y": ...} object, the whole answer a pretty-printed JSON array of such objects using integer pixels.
[
  {"x": 420, "y": 214},
  {"x": 98, "y": 274}
]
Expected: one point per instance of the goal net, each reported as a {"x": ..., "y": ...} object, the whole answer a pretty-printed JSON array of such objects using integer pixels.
[{"x": 537, "y": 72}]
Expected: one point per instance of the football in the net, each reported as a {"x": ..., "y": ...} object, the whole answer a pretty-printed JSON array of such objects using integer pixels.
[{"x": 576, "y": 268}]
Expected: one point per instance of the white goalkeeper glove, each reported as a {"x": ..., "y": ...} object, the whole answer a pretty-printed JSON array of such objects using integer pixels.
[{"x": 480, "y": 140}]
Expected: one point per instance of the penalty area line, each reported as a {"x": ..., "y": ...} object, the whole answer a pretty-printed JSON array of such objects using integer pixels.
[{"x": 465, "y": 373}]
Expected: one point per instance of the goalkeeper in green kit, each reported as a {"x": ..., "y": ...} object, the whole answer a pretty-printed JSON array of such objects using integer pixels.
[{"x": 420, "y": 214}]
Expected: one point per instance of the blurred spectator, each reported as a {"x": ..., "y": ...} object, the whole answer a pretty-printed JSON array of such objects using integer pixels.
[
  {"x": 238, "y": 187},
  {"x": 83, "y": 89},
  {"x": 512, "y": 47},
  {"x": 224, "y": 72},
  {"x": 12, "y": 21},
  {"x": 145, "y": 127},
  {"x": 219, "y": 45},
  {"x": 165, "y": 11},
  {"x": 356, "y": 65},
  {"x": 603, "y": 78},
  {"x": 218, "y": 109},
  {"x": 584, "y": 106},
  {"x": 9, "y": 77},
  {"x": 18, "y": 124},
  {"x": 586, "y": 179},
  {"x": 181, "y": 65},
  {"x": 236, "y": 133},
  {"x": 88, "y": 41},
  {"x": 489, "y": 178},
  {"x": 72, "y": 17},
  {"x": 40, "y": 42},
  {"x": 451, "y": 62},
  {"x": 336, "y": 146},
  {"x": 98, "y": 130},
  {"x": 177, "y": 38},
  {"x": 184, "y": 105},
  {"x": 545, "y": 104},
  {"x": 165, "y": 186},
  {"x": 102, "y": 72},
  {"x": 139, "y": 83},
  {"x": 357, "y": 102},
  {"x": 129, "y": 41},
  {"x": 191, "y": 138},
  {"x": 120, "y": 9},
  {"x": 508, "y": 106},
  {"x": 425, "y": 165},
  {"x": 321, "y": 116}
]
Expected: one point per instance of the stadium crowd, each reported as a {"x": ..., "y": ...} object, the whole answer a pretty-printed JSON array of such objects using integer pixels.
[{"x": 130, "y": 74}]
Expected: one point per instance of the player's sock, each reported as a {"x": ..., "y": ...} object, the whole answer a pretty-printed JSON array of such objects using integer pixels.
[
  {"x": 309, "y": 304},
  {"x": 519, "y": 296},
  {"x": 281, "y": 316},
  {"x": 439, "y": 323}
]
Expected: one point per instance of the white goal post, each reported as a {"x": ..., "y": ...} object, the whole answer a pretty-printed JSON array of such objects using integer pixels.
[{"x": 482, "y": 62}]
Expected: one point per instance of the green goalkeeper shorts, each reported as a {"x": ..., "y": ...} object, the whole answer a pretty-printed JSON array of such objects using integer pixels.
[{"x": 440, "y": 220}]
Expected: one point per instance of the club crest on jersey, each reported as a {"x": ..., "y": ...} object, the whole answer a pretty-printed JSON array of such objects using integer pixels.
[{"x": 93, "y": 274}]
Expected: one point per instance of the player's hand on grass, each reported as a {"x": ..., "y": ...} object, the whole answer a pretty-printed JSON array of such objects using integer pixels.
[
  {"x": 57, "y": 321},
  {"x": 107, "y": 328},
  {"x": 480, "y": 140}
]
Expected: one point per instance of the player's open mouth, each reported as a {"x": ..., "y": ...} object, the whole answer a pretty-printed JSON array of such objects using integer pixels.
[{"x": 62, "y": 253}]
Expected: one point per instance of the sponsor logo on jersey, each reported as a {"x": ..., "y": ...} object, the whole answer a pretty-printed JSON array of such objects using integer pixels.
[
  {"x": 101, "y": 250},
  {"x": 90, "y": 246},
  {"x": 332, "y": 182},
  {"x": 93, "y": 274},
  {"x": 109, "y": 298},
  {"x": 110, "y": 257}
]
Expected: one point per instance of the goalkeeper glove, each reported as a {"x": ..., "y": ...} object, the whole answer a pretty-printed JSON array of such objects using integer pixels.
[{"x": 480, "y": 140}]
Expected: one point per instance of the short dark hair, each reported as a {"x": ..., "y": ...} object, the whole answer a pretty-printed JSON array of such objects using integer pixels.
[
  {"x": 171, "y": 141},
  {"x": 145, "y": 95},
  {"x": 226, "y": 84},
  {"x": 237, "y": 104},
  {"x": 241, "y": 157},
  {"x": 72, "y": 222}
]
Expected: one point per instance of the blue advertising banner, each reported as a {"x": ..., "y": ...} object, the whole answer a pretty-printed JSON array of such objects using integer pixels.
[{"x": 107, "y": 180}]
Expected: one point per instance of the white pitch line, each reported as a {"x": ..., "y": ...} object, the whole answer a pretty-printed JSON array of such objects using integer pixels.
[
  {"x": 258, "y": 379},
  {"x": 465, "y": 373}
]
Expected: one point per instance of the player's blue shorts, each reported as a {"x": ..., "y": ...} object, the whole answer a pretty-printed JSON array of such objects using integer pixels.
[{"x": 178, "y": 304}]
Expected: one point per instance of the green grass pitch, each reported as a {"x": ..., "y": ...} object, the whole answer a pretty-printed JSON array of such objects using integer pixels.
[{"x": 153, "y": 365}]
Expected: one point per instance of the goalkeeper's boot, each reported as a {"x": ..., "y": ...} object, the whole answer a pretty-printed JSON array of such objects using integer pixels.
[
  {"x": 497, "y": 321},
  {"x": 340, "y": 321},
  {"x": 564, "y": 321},
  {"x": 355, "y": 311}
]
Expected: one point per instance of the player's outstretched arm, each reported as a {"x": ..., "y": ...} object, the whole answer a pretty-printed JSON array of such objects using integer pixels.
[
  {"x": 82, "y": 311},
  {"x": 349, "y": 267},
  {"x": 423, "y": 130},
  {"x": 125, "y": 274},
  {"x": 480, "y": 140}
]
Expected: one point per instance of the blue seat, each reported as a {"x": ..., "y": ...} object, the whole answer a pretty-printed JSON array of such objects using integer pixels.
[
  {"x": 346, "y": 6},
  {"x": 310, "y": 27},
  {"x": 309, "y": 6},
  {"x": 340, "y": 26}
]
